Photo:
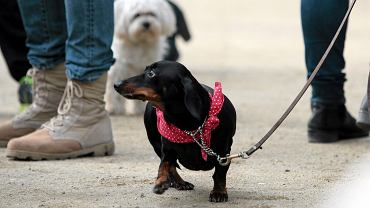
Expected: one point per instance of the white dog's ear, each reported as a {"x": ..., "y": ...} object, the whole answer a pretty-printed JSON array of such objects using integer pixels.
[
  {"x": 167, "y": 17},
  {"x": 120, "y": 27}
]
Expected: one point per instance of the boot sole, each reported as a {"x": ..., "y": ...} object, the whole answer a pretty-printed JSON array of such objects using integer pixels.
[
  {"x": 317, "y": 136},
  {"x": 95, "y": 151}
]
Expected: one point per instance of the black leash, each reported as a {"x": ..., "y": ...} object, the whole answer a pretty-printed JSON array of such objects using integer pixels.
[{"x": 246, "y": 154}]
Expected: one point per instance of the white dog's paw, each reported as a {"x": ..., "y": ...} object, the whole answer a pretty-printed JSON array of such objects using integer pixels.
[
  {"x": 114, "y": 104},
  {"x": 114, "y": 110},
  {"x": 134, "y": 108}
]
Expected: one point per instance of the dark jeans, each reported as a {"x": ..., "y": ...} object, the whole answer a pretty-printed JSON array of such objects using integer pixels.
[
  {"x": 76, "y": 32},
  {"x": 320, "y": 21},
  {"x": 13, "y": 39}
]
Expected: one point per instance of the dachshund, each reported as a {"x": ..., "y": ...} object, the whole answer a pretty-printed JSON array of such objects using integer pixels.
[{"x": 179, "y": 112}]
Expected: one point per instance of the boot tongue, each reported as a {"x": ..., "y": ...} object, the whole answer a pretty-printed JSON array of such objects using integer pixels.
[{"x": 94, "y": 91}]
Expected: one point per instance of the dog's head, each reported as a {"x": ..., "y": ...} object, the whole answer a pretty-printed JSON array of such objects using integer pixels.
[
  {"x": 169, "y": 86},
  {"x": 143, "y": 20}
]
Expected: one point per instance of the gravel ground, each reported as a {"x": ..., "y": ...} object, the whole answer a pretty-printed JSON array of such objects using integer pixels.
[{"x": 256, "y": 49}]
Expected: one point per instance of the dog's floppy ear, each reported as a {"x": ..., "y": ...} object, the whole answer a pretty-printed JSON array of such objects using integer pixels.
[
  {"x": 168, "y": 18},
  {"x": 192, "y": 98}
]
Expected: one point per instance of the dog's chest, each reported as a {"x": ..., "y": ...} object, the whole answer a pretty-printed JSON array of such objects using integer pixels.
[{"x": 189, "y": 155}]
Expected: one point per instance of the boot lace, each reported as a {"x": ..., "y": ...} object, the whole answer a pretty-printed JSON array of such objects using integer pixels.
[{"x": 72, "y": 89}]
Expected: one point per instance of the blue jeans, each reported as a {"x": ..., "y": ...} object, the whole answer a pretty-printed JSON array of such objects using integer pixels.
[
  {"x": 320, "y": 21},
  {"x": 77, "y": 32}
]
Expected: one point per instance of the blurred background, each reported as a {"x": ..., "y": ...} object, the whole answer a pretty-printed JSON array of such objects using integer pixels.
[
  {"x": 244, "y": 34},
  {"x": 256, "y": 49}
]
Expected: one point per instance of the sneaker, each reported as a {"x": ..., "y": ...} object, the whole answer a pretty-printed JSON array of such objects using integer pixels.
[{"x": 25, "y": 92}]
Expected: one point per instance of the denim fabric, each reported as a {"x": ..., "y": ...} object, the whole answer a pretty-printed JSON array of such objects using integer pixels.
[
  {"x": 320, "y": 21},
  {"x": 77, "y": 32}
]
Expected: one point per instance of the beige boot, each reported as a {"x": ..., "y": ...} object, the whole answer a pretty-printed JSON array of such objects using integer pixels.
[
  {"x": 47, "y": 87},
  {"x": 82, "y": 127}
]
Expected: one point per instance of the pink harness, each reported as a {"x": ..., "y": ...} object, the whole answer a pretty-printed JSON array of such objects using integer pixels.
[{"x": 176, "y": 135}]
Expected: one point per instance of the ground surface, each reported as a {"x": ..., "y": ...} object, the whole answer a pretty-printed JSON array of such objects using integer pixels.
[{"x": 255, "y": 48}]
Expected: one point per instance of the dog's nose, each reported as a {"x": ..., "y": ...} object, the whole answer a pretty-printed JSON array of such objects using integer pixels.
[
  {"x": 146, "y": 25},
  {"x": 118, "y": 85}
]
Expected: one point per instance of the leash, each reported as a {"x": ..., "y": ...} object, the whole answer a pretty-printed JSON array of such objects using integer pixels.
[{"x": 246, "y": 154}]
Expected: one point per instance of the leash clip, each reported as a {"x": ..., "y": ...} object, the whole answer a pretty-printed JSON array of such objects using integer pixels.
[
  {"x": 224, "y": 161},
  {"x": 244, "y": 155}
]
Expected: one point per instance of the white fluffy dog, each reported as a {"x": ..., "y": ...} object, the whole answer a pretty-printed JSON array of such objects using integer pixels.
[{"x": 141, "y": 29}]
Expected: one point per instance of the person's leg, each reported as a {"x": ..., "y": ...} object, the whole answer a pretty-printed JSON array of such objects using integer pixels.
[
  {"x": 13, "y": 47},
  {"x": 13, "y": 39},
  {"x": 45, "y": 26},
  {"x": 90, "y": 35},
  {"x": 82, "y": 126},
  {"x": 330, "y": 120}
]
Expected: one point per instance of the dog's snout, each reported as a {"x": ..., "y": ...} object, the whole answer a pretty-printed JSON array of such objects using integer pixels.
[
  {"x": 118, "y": 85},
  {"x": 146, "y": 25}
]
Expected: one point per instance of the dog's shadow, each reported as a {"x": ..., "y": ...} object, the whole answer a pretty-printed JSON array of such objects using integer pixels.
[{"x": 199, "y": 198}]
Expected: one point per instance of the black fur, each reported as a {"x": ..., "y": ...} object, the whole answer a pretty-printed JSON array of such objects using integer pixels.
[{"x": 185, "y": 103}]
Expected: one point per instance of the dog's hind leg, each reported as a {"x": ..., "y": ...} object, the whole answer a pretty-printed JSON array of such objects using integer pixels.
[
  {"x": 177, "y": 182},
  {"x": 219, "y": 192}
]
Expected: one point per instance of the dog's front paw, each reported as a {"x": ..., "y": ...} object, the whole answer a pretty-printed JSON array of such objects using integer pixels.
[
  {"x": 218, "y": 196},
  {"x": 161, "y": 188},
  {"x": 182, "y": 186}
]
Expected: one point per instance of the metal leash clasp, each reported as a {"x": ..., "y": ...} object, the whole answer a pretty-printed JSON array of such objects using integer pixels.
[{"x": 224, "y": 161}]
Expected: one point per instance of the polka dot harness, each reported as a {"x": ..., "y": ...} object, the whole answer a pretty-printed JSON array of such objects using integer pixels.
[{"x": 203, "y": 133}]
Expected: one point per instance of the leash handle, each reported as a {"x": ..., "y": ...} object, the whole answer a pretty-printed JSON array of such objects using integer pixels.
[{"x": 246, "y": 154}]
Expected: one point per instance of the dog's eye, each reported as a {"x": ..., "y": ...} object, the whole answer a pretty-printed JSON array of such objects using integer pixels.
[
  {"x": 150, "y": 74},
  {"x": 151, "y": 14},
  {"x": 134, "y": 17}
]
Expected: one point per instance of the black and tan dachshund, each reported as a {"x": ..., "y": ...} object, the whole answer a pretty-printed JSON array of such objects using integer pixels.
[{"x": 170, "y": 88}]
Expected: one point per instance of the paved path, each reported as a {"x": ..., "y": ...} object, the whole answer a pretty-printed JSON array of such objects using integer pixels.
[{"x": 256, "y": 49}]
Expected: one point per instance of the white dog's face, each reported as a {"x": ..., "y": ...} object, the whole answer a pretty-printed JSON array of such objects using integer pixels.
[{"x": 143, "y": 20}]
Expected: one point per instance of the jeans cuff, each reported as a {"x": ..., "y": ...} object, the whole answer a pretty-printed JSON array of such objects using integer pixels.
[{"x": 45, "y": 66}]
